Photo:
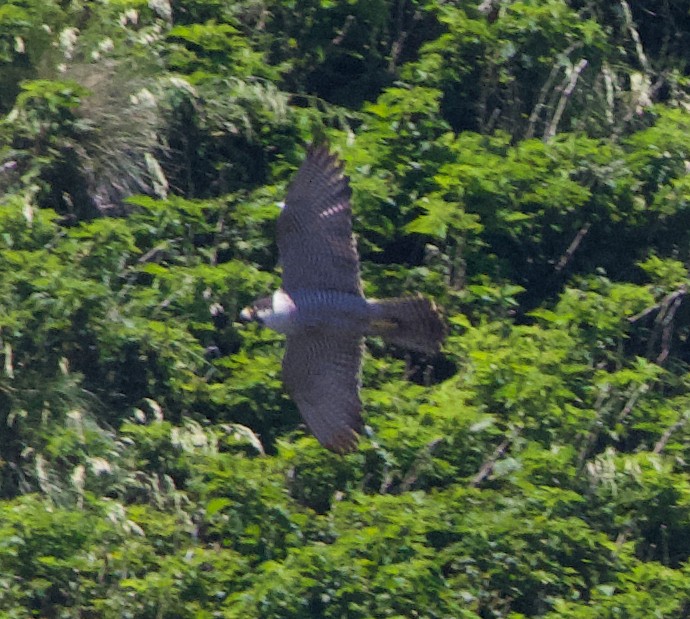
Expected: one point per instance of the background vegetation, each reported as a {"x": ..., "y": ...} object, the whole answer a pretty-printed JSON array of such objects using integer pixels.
[{"x": 523, "y": 162}]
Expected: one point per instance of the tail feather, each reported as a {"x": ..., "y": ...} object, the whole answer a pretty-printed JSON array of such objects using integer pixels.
[{"x": 410, "y": 322}]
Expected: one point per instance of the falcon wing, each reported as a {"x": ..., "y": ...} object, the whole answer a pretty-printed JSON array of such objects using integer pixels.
[
  {"x": 315, "y": 241},
  {"x": 321, "y": 374}
]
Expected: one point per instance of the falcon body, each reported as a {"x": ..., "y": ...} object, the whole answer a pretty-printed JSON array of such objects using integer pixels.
[
  {"x": 325, "y": 311},
  {"x": 322, "y": 309}
]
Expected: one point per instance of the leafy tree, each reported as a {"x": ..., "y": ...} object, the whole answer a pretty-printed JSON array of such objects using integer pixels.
[{"x": 524, "y": 163}]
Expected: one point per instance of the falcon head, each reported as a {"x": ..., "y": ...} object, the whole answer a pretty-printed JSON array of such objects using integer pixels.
[
  {"x": 277, "y": 312},
  {"x": 259, "y": 311}
]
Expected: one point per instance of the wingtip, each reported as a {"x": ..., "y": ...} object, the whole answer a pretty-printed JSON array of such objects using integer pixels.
[
  {"x": 321, "y": 149},
  {"x": 343, "y": 442},
  {"x": 320, "y": 153},
  {"x": 319, "y": 145}
]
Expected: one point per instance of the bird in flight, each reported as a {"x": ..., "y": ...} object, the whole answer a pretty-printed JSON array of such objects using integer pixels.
[{"x": 321, "y": 307}]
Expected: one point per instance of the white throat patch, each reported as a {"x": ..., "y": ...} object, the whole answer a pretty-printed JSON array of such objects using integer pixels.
[{"x": 281, "y": 316}]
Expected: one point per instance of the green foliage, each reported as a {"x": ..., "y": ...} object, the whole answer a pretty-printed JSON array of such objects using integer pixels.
[{"x": 523, "y": 163}]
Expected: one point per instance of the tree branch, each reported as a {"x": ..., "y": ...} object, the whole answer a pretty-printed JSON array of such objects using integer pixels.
[
  {"x": 635, "y": 35},
  {"x": 548, "y": 84},
  {"x": 663, "y": 323},
  {"x": 567, "y": 93},
  {"x": 572, "y": 248},
  {"x": 669, "y": 298},
  {"x": 488, "y": 466},
  {"x": 667, "y": 331},
  {"x": 666, "y": 436}
]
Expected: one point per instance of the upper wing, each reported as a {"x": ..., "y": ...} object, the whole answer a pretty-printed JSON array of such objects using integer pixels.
[
  {"x": 321, "y": 374},
  {"x": 315, "y": 241}
]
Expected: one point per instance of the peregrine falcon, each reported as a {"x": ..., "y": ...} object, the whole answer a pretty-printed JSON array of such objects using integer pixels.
[{"x": 322, "y": 310}]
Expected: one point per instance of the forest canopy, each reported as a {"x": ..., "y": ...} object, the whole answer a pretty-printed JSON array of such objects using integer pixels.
[{"x": 524, "y": 163}]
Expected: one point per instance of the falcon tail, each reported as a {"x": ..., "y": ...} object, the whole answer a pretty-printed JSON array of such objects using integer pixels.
[{"x": 410, "y": 322}]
